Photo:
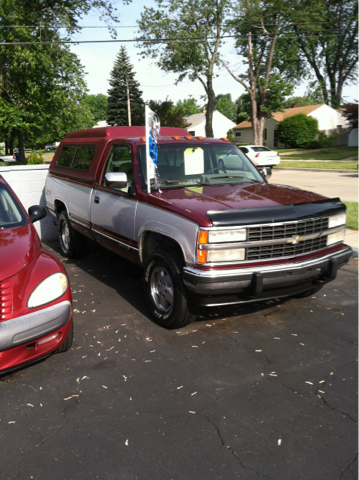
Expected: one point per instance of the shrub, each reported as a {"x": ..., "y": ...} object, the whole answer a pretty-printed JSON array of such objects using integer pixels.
[
  {"x": 230, "y": 136},
  {"x": 298, "y": 130},
  {"x": 323, "y": 141},
  {"x": 35, "y": 158}
]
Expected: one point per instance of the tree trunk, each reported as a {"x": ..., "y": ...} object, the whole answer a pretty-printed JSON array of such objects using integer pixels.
[
  {"x": 210, "y": 108},
  {"x": 21, "y": 147},
  {"x": 257, "y": 121}
]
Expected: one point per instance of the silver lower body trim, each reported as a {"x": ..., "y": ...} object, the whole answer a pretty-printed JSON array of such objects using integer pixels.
[{"x": 32, "y": 326}]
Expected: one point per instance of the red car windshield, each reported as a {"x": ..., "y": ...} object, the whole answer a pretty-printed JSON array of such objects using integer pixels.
[
  {"x": 11, "y": 213},
  {"x": 183, "y": 164}
]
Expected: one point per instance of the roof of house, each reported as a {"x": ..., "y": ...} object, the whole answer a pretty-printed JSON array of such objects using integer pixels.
[
  {"x": 288, "y": 112},
  {"x": 195, "y": 119}
]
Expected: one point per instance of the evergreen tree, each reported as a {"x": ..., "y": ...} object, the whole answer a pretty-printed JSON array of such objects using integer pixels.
[{"x": 117, "y": 112}]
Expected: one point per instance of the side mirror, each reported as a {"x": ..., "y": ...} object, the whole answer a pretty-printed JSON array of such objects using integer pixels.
[
  {"x": 266, "y": 172},
  {"x": 116, "y": 180},
  {"x": 36, "y": 212}
]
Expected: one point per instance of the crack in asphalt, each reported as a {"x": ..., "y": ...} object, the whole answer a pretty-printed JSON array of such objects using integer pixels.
[
  {"x": 347, "y": 468},
  {"x": 328, "y": 334},
  {"x": 230, "y": 449}
]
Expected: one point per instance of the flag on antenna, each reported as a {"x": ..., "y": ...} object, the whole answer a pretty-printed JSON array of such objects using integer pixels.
[{"x": 153, "y": 126}]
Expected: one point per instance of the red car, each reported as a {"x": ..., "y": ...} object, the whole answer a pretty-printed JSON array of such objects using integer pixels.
[{"x": 35, "y": 296}]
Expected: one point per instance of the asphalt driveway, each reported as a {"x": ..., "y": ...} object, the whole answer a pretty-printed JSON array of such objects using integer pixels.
[{"x": 266, "y": 390}]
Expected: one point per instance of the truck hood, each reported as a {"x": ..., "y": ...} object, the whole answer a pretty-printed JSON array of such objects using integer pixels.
[
  {"x": 18, "y": 247},
  {"x": 195, "y": 202}
]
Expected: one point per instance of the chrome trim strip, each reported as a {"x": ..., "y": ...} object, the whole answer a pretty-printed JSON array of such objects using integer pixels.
[
  {"x": 80, "y": 223},
  {"x": 244, "y": 244},
  {"x": 115, "y": 240},
  {"x": 265, "y": 269},
  {"x": 20, "y": 330},
  {"x": 269, "y": 224}
]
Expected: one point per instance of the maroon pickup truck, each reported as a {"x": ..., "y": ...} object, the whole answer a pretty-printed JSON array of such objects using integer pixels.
[{"x": 212, "y": 230}]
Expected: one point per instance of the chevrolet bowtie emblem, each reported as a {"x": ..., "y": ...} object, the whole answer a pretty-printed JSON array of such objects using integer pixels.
[{"x": 295, "y": 240}]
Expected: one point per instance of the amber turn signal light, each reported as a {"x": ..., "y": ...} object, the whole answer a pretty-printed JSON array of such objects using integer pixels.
[
  {"x": 203, "y": 237},
  {"x": 202, "y": 256},
  {"x": 188, "y": 137},
  {"x": 176, "y": 138}
]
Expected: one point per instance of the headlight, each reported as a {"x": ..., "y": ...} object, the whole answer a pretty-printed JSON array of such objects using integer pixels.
[
  {"x": 336, "y": 237},
  {"x": 225, "y": 255},
  {"x": 336, "y": 220},
  {"x": 222, "y": 236},
  {"x": 48, "y": 290}
]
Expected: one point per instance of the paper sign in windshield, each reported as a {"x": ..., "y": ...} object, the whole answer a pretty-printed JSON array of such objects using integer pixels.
[{"x": 193, "y": 161}]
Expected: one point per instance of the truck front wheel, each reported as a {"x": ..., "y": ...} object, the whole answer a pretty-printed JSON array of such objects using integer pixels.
[
  {"x": 165, "y": 292},
  {"x": 72, "y": 243}
]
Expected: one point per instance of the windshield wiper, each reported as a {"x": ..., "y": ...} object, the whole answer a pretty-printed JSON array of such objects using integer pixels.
[
  {"x": 178, "y": 182},
  {"x": 238, "y": 176}
]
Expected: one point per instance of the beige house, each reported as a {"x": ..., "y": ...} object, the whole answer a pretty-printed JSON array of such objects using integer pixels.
[{"x": 330, "y": 121}]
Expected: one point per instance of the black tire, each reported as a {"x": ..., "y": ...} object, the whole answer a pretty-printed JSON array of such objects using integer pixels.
[
  {"x": 68, "y": 342},
  {"x": 72, "y": 243},
  {"x": 166, "y": 295}
]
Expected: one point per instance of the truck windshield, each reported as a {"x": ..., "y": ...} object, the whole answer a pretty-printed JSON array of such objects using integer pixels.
[
  {"x": 11, "y": 214},
  {"x": 183, "y": 164}
]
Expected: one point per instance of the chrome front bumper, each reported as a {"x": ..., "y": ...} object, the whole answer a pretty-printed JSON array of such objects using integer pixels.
[
  {"x": 255, "y": 283},
  {"x": 32, "y": 326}
]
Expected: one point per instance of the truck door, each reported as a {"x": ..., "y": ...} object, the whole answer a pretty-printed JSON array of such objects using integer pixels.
[{"x": 113, "y": 210}]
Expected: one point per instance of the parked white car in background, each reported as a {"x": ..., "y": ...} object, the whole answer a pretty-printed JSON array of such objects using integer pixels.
[
  {"x": 6, "y": 158},
  {"x": 261, "y": 156}
]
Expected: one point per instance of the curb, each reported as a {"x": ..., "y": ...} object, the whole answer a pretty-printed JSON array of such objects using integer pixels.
[
  {"x": 317, "y": 170},
  {"x": 355, "y": 252}
]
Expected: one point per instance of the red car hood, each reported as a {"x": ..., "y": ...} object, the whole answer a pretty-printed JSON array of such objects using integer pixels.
[
  {"x": 195, "y": 202},
  {"x": 18, "y": 246}
]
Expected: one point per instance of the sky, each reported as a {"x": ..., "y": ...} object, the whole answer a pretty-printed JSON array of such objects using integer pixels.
[{"x": 98, "y": 60}]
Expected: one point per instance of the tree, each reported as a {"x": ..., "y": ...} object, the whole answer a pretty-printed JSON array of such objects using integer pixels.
[
  {"x": 224, "y": 104},
  {"x": 331, "y": 48},
  {"x": 190, "y": 106},
  {"x": 298, "y": 131},
  {"x": 193, "y": 31},
  {"x": 170, "y": 115},
  {"x": 350, "y": 112},
  {"x": 41, "y": 86},
  {"x": 97, "y": 105},
  {"x": 268, "y": 56},
  {"x": 123, "y": 83}
]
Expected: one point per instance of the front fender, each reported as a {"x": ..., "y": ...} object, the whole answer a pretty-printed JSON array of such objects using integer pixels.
[{"x": 184, "y": 232}]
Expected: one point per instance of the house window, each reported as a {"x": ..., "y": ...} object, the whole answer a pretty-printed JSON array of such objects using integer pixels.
[
  {"x": 238, "y": 134},
  {"x": 264, "y": 134},
  {"x": 192, "y": 132},
  {"x": 339, "y": 127}
]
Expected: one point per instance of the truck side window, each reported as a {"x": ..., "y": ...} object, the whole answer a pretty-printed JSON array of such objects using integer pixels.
[
  {"x": 83, "y": 157},
  {"x": 119, "y": 160},
  {"x": 66, "y": 156}
]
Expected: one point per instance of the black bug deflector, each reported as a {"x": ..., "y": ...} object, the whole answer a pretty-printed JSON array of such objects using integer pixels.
[{"x": 281, "y": 213}]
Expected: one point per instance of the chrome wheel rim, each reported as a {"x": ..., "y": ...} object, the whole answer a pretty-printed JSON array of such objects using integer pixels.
[
  {"x": 162, "y": 289},
  {"x": 65, "y": 235}
]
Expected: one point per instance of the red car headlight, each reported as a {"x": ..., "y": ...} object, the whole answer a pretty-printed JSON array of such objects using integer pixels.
[{"x": 50, "y": 289}]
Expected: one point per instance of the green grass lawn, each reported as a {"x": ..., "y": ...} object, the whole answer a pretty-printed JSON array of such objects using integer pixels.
[
  {"x": 336, "y": 154},
  {"x": 322, "y": 165},
  {"x": 352, "y": 215}
]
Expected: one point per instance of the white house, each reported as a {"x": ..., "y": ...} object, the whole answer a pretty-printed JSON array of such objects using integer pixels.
[
  {"x": 329, "y": 120},
  {"x": 221, "y": 124}
]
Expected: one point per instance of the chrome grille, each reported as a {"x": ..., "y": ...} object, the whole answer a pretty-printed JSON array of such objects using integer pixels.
[
  {"x": 287, "y": 230},
  {"x": 265, "y": 252},
  {"x": 5, "y": 300}
]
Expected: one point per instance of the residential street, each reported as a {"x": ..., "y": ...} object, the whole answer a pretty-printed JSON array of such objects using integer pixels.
[
  {"x": 330, "y": 184},
  {"x": 266, "y": 390}
]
